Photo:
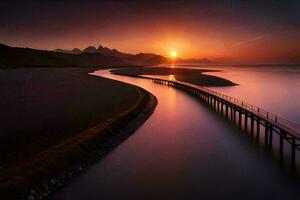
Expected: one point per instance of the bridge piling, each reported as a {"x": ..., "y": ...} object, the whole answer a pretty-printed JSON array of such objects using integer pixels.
[
  {"x": 214, "y": 103},
  {"x": 252, "y": 123},
  {"x": 234, "y": 114},
  {"x": 240, "y": 118},
  {"x": 226, "y": 107},
  {"x": 281, "y": 137},
  {"x": 266, "y": 133},
  {"x": 257, "y": 128},
  {"x": 271, "y": 136},
  {"x": 246, "y": 121},
  {"x": 293, "y": 155}
]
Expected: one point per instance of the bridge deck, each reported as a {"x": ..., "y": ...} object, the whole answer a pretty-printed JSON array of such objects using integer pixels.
[{"x": 277, "y": 121}]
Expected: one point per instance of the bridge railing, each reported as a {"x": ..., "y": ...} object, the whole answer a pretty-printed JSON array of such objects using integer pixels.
[{"x": 291, "y": 126}]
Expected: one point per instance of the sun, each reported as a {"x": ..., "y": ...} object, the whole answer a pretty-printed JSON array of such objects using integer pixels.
[{"x": 173, "y": 54}]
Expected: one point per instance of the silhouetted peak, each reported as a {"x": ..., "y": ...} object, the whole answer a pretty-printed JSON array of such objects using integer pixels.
[
  {"x": 100, "y": 47},
  {"x": 115, "y": 50},
  {"x": 76, "y": 50},
  {"x": 90, "y": 49}
]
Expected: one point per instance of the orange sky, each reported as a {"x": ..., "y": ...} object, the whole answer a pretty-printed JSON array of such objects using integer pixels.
[{"x": 232, "y": 30}]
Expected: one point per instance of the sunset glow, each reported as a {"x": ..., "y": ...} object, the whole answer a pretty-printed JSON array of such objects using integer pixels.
[
  {"x": 259, "y": 32},
  {"x": 173, "y": 54}
]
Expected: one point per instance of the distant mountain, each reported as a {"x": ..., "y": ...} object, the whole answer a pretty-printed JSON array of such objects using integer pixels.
[
  {"x": 15, "y": 56},
  {"x": 112, "y": 52},
  {"x": 76, "y": 51},
  {"x": 138, "y": 59},
  {"x": 90, "y": 49},
  {"x": 73, "y": 51}
]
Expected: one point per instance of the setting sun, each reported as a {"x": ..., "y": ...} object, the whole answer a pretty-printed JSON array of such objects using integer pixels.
[{"x": 173, "y": 54}]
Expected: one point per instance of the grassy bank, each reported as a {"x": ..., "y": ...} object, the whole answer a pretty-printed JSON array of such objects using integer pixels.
[
  {"x": 94, "y": 122},
  {"x": 194, "y": 76}
]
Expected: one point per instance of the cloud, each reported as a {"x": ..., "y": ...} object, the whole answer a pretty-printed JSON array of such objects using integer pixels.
[{"x": 251, "y": 40}]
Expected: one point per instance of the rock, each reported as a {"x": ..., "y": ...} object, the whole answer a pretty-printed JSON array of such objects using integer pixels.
[
  {"x": 33, "y": 192},
  {"x": 52, "y": 181},
  {"x": 30, "y": 197}
]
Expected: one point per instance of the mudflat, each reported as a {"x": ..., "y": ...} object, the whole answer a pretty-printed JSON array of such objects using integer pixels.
[
  {"x": 40, "y": 107},
  {"x": 194, "y": 76}
]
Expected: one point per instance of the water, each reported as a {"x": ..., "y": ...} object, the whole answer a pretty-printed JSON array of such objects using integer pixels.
[
  {"x": 272, "y": 88},
  {"x": 275, "y": 89},
  {"x": 183, "y": 151}
]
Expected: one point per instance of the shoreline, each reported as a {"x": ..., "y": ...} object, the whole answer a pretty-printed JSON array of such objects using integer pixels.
[
  {"x": 193, "y": 76},
  {"x": 39, "y": 177}
]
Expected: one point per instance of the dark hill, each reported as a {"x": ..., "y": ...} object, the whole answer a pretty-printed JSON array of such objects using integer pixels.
[{"x": 15, "y": 56}]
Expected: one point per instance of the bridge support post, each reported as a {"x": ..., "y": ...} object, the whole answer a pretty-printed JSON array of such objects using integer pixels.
[
  {"x": 257, "y": 127},
  {"x": 226, "y": 107},
  {"x": 246, "y": 121},
  {"x": 240, "y": 118},
  {"x": 271, "y": 136},
  {"x": 252, "y": 123},
  {"x": 282, "y": 134},
  {"x": 234, "y": 113},
  {"x": 293, "y": 155},
  {"x": 214, "y": 103},
  {"x": 266, "y": 133},
  {"x": 221, "y": 107}
]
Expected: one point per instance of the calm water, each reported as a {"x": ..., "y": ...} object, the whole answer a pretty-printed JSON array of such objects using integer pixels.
[
  {"x": 273, "y": 88},
  {"x": 276, "y": 89},
  {"x": 183, "y": 151}
]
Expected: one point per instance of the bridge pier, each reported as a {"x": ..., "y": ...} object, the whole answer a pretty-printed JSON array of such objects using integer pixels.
[
  {"x": 221, "y": 107},
  {"x": 246, "y": 121},
  {"x": 234, "y": 114},
  {"x": 271, "y": 136},
  {"x": 293, "y": 155},
  {"x": 257, "y": 128},
  {"x": 214, "y": 103},
  {"x": 240, "y": 117},
  {"x": 281, "y": 137},
  {"x": 252, "y": 124},
  {"x": 226, "y": 107},
  {"x": 266, "y": 133}
]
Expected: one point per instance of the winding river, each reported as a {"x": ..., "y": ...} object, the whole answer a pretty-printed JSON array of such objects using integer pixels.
[{"x": 183, "y": 151}]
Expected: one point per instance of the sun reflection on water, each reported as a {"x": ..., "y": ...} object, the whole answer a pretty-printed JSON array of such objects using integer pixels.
[{"x": 172, "y": 77}]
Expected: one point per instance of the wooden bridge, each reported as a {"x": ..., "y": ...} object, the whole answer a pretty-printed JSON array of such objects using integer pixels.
[
  {"x": 259, "y": 121},
  {"x": 248, "y": 115}
]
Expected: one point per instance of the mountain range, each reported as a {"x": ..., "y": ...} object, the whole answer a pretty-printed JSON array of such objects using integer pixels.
[
  {"x": 90, "y": 56},
  {"x": 16, "y": 56},
  {"x": 134, "y": 58}
]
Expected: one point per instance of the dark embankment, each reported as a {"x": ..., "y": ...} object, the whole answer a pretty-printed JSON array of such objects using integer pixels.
[
  {"x": 194, "y": 76},
  {"x": 52, "y": 119}
]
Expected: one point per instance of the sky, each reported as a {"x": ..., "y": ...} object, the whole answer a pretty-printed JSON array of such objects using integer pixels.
[{"x": 241, "y": 31}]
